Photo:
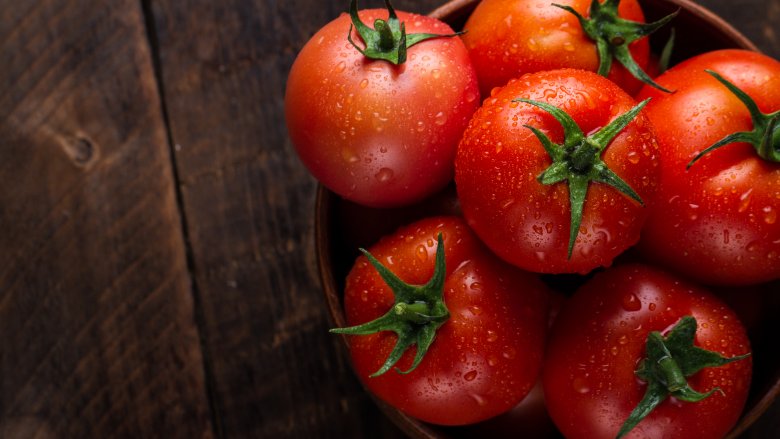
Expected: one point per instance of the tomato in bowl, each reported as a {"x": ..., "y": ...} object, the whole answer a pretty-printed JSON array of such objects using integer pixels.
[{"x": 343, "y": 226}]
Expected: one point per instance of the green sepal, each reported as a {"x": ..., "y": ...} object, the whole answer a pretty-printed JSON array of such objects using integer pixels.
[
  {"x": 578, "y": 160},
  {"x": 665, "y": 59},
  {"x": 613, "y": 34},
  {"x": 416, "y": 314},
  {"x": 669, "y": 361},
  {"x": 388, "y": 39},
  {"x": 765, "y": 136}
]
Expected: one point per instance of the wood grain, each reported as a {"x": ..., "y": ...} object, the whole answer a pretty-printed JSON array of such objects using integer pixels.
[
  {"x": 248, "y": 202},
  {"x": 96, "y": 316},
  {"x": 756, "y": 19}
]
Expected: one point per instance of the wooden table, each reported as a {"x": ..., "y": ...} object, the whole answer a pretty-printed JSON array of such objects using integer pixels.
[{"x": 157, "y": 272}]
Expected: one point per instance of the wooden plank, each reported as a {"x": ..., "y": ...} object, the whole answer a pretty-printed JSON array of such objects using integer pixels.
[
  {"x": 97, "y": 331},
  {"x": 756, "y": 19},
  {"x": 249, "y": 208}
]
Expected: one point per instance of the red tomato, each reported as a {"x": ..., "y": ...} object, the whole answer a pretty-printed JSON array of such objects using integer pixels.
[
  {"x": 717, "y": 222},
  {"x": 485, "y": 358},
  {"x": 377, "y": 133},
  {"x": 508, "y": 38},
  {"x": 599, "y": 340},
  {"x": 527, "y": 223}
]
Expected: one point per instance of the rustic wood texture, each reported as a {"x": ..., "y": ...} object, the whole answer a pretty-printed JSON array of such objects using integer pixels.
[
  {"x": 157, "y": 268},
  {"x": 96, "y": 316}
]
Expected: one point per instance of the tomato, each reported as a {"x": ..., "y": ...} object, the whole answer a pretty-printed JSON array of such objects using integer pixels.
[
  {"x": 508, "y": 38},
  {"x": 530, "y": 415},
  {"x": 529, "y": 223},
  {"x": 599, "y": 342},
  {"x": 374, "y": 132},
  {"x": 717, "y": 221},
  {"x": 485, "y": 357}
]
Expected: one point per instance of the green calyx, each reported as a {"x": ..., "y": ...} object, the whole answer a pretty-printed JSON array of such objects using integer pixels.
[
  {"x": 388, "y": 39},
  {"x": 416, "y": 315},
  {"x": 668, "y": 363},
  {"x": 765, "y": 136},
  {"x": 613, "y": 35},
  {"x": 578, "y": 160}
]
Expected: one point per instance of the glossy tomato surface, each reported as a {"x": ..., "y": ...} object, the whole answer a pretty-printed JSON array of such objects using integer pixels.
[
  {"x": 485, "y": 358},
  {"x": 599, "y": 339},
  {"x": 526, "y": 222},
  {"x": 508, "y": 38},
  {"x": 376, "y": 133},
  {"x": 716, "y": 222}
]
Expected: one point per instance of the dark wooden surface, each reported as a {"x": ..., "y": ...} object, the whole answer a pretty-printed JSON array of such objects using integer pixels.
[{"x": 157, "y": 272}]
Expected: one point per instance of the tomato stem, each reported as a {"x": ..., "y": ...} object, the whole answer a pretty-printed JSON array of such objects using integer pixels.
[
  {"x": 388, "y": 39},
  {"x": 669, "y": 362},
  {"x": 578, "y": 161},
  {"x": 416, "y": 315},
  {"x": 765, "y": 136},
  {"x": 613, "y": 35}
]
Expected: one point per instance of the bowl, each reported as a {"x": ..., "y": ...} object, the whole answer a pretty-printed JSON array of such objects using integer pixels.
[{"x": 341, "y": 227}]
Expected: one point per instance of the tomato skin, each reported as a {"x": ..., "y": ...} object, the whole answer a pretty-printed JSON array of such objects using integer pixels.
[
  {"x": 718, "y": 221},
  {"x": 486, "y": 357},
  {"x": 527, "y": 223},
  {"x": 375, "y": 133},
  {"x": 509, "y": 38},
  {"x": 599, "y": 338}
]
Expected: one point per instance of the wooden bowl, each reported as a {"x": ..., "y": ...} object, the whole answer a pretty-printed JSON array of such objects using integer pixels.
[{"x": 342, "y": 227}]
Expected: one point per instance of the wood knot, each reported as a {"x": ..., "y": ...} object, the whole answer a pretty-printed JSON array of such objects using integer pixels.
[{"x": 80, "y": 149}]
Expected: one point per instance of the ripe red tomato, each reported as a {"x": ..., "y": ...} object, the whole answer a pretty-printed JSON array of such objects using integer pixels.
[
  {"x": 485, "y": 358},
  {"x": 377, "y": 133},
  {"x": 716, "y": 222},
  {"x": 598, "y": 343},
  {"x": 528, "y": 223},
  {"x": 508, "y": 38}
]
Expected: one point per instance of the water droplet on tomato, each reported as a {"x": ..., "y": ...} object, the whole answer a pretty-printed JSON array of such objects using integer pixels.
[
  {"x": 435, "y": 73},
  {"x": 475, "y": 309},
  {"x": 422, "y": 253},
  {"x": 479, "y": 399},
  {"x": 492, "y": 336},
  {"x": 509, "y": 352},
  {"x": 440, "y": 118},
  {"x": 420, "y": 126},
  {"x": 631, "y": 302},
  {"x": 347, "y": 155},
  {"x": 580, "y": 385},
  {"x": 770, "y": 215},
  {"x": 568, "y": 46},
  {"x": 633, "y": 157},
  {"x": 651, "y": 307},
  {"x": 364, "y": 83},
  {"x": 470, "y": 375},
  {"x": 744, "y": 201},
  {"x": 341, "y": 66},
  {"x": 384, "y": 175},
  {"x": 532, "y": 44}
]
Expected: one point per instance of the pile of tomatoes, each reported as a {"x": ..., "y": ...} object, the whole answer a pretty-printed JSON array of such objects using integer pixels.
[{"x": 575, "y": 154}]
